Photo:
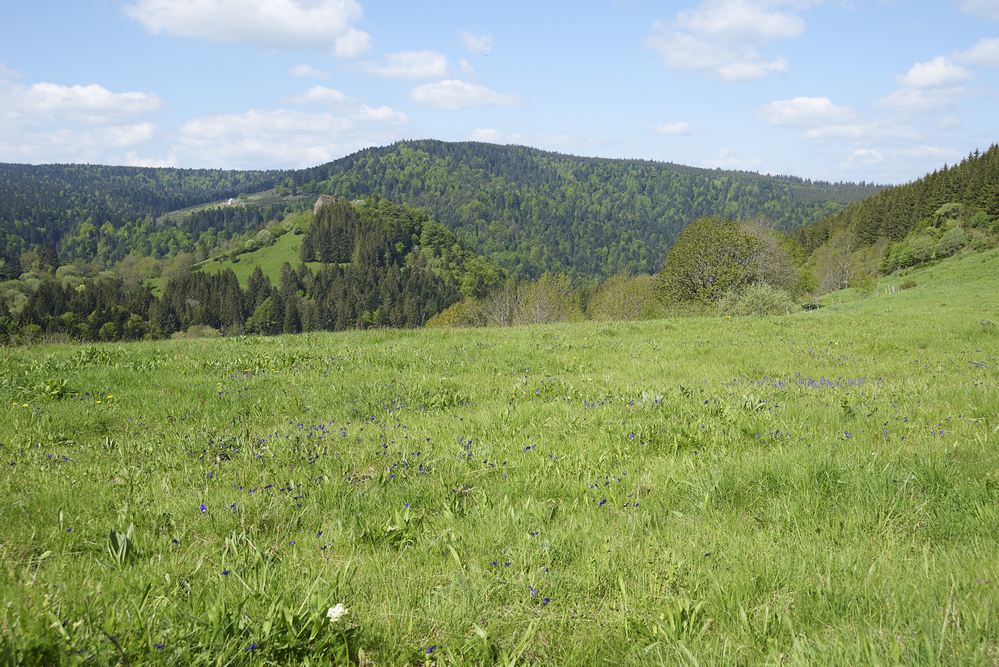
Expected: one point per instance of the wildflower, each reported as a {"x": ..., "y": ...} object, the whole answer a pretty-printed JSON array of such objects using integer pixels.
[
  {"x": 431, "y": 648},
  {"x": 336, "y": 612},
  {"x": 225, "y": 572},
  {"x": 251, "y": 647},
  {"x": 203, "y": 507}
]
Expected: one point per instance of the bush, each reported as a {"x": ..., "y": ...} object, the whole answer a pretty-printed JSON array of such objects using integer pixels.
[
  {"x": 952, "y": 241},
  {"x": 466, "y": 313},
  {"x": 757, "y": 299}
]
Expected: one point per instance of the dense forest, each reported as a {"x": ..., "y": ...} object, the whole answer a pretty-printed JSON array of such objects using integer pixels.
[
  {"x": 534, "y": 211},
  {"x": 931, "y": 218},
  {"x": 92, "y": 212},
  {"x": 893, "y": 213},
  {"x": 382, "y": 265},
  {"x": 530, "y": 211}
]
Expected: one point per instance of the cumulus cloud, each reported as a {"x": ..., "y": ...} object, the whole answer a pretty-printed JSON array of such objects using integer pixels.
[
  {"x": 256, "y": 137},
  {"x": 281, "y": 138},
  {"x": 877, "y": 130},
  {"x": 91, "y": 102},
  {"x": 308, "y": 71},
  {"x": 984, "y": 53},
  {"x": 479, "y": 45},
  {"x": 676, "y": 128},
  {"x": 920, "y": 100},
  {"x": 486, "y": 134},
  {"x": 319, "y": 95},
  {"x": 281, "y": 24},
  {"x": 455, "y": 94},
  {"x": 940, "y": 71},
  {"x": 724, "y": 37},
  {"x": 382, "y": 114},
  {"x": 410, "y": 65},
  {"x": 8, "y": 74},
  {"x": 803, "y": 112},
  {"x": 986, "y": 9},
  {"x": 725, "y": 158}
]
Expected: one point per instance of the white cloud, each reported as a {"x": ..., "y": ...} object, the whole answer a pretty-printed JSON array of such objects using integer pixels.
[
  {"x": 410, "y": 65},
  {"x": 867, "y": 156},
  {"x": 466, "y": 67},
  {"x": 256, "y": 137},
  {"x": 278, "y": 138},
  {"x": 487, "y": 134},
  {"x": 382, "y": 114},
  {"x": 319, "y": 95},
  {"x": 949, "y": 122},
  {"x": 740, "y": 19},
  {"x": 803, "y": 112},
  {"x": 878, "y": 130},
  {"x": 352, "y": 44},
  {"x": 724, "y": 37},
  {"x": 308, "y": 71},
  {"x": 987, "y": 9},
  {"x": 938, "y": 153},
  {"x": 278, "y": 24},
  {"x": 92, "y": 102},
  {"x": 8, "y": 74},
  {"x": 479, "y": 45},
  {"x": 726, "y": 159},
  {"x": 934, "y": 74},
  {"x": 679, "y": 127},
  {"x": 454, "y": 94},
  {"x": 132, "y": 159},
  {"x": 984, "y": 53},
  {"x": 919, "y": 100}
]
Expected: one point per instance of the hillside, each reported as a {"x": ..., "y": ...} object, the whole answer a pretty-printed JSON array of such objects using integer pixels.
[
  {"x": 528, "y": 210},
  {"x": 936, "y": 216},
  {"x": 533, "y": 211},
  {"x": 576, "y": 494},
  {"x": 100, "y": 212},
  {"x": 892, "y": 214},
  {"x": 371, "y": 263}
]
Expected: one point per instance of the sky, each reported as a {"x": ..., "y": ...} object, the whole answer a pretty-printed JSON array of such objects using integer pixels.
[{"x": 874, "y": 90}]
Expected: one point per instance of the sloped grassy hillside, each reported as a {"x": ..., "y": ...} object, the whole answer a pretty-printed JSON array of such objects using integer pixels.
[{"x": 821, "y": 488}]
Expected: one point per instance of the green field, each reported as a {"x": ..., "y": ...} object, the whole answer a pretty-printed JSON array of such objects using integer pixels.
[
  {"x": 270, "y": 258},
  {"x": 821, "y": 488}
]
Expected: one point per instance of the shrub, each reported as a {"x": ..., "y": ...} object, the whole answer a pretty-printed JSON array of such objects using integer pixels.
[
  {"x": 952, "y": 241},
  {"x": 466, "y": 313},
  {"x": 757, "y": 299}
]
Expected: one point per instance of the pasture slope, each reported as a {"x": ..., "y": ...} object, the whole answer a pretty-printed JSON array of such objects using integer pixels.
[{"x": 821, "y": 488}]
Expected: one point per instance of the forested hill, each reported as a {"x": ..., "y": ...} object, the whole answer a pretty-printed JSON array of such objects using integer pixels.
[
  {"x": 44, "y": 204},
  {"x": 891, "y": 215},
  {"x": 528, "y": 210},
  {"x": 534, "y": 211}
]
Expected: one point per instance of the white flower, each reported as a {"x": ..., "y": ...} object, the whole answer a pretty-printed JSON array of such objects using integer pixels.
[{"x": 336, "y": 612}]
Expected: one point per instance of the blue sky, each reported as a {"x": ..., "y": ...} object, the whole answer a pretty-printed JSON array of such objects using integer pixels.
[{"x": 876, "y": 90}]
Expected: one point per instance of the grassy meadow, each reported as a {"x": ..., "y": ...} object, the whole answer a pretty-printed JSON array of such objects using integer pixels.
[{"x": 821, "y": 488}]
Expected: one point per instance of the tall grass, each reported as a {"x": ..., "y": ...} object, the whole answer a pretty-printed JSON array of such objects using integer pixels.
[{"x": 821, "y": 488}]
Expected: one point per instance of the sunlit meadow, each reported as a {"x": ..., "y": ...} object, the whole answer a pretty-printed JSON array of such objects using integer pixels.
[{"x": 821, "y": 488}]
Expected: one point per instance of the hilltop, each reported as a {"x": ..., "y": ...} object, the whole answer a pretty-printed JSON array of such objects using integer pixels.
[{"x": 528, "y": 210}]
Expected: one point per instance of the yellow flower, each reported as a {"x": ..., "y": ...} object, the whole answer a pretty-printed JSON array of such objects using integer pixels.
[
  {"x": 24, "y": 405},
  {"x": 110, "y": 396},
  {"x": 98, "y": 402}
]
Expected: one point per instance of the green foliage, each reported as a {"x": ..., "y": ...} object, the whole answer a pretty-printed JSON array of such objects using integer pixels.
[
  {"x": 624, "y": 297},
  {"x": 891, "y": 215},
  {"x": 757, "y": 299},
  {"x": 714, "y": 257},
  {"x": 532, "y": 211},
  {"x": 815, "y": 490}
]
